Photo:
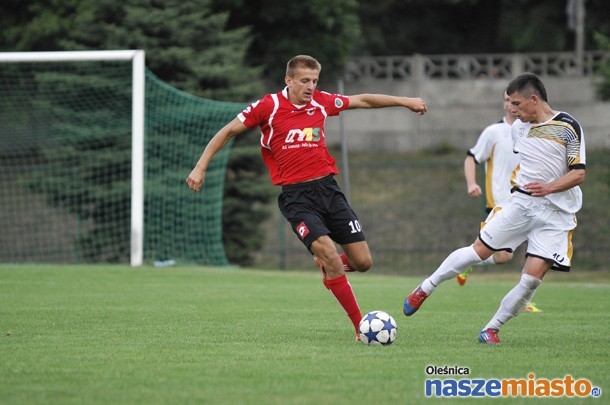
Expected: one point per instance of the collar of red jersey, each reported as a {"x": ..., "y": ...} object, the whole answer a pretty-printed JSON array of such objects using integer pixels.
[{"x": 285, "y": 94}]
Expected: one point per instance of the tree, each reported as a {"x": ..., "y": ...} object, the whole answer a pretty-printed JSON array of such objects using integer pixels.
[
  {"x": 189, "y": 47},
  {"x": 243, "y": 188},
  {"x": 404, "y": 27},
  {"x": 327, "y": 30},
  {"x": 37, "y": 25}
]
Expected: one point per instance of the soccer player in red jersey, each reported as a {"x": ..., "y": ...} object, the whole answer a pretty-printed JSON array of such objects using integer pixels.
[{"x": 294, "y": 149}]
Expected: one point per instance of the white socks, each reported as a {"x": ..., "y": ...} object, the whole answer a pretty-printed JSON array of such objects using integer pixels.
[
  {"x": 514, "y": 301},
  {"x": 489, "y": 260},
  {"x": 512, "y": 304},
  {"x": 454, "y": 264}
]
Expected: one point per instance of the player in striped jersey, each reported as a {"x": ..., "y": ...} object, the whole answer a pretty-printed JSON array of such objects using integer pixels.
[
  {"x": 541, "y": 210},
  {"x": 294, "y": 149},
  {"x": 494, "y": 148}
]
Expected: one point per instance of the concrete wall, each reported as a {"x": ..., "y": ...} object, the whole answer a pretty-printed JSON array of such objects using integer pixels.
[{"x": 458, "y": 111}]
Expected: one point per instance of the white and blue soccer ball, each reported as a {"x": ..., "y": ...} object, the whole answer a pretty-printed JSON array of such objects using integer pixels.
[{"x": 377, "y": 328}]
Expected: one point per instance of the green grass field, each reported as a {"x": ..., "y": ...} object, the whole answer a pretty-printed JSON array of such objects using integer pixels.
[{"x": 113, "y": 334}]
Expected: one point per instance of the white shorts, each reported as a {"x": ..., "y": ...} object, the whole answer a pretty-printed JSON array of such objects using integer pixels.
[{"x": 547, "y": 229}]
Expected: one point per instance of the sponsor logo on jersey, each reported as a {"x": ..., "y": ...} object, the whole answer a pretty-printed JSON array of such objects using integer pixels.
[{"x": 304, "y": 135}]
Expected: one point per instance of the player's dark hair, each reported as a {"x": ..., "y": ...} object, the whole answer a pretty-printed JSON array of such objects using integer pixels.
[
  {"x": 527, "y": 84},
  {"x": 305, "y": 61}
]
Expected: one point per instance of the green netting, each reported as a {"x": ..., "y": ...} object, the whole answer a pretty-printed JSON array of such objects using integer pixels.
[
  {"x": 179, "y": 224},
  {"x": 65, "y": 166}
]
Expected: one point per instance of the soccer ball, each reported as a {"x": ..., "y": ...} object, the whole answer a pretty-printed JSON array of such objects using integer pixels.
[{"x": 377, "y": 328}]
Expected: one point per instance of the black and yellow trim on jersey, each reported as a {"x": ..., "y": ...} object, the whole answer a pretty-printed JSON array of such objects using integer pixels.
[
  {"x": 564, "y": 130},
  {"x": 489, "y": 197}
]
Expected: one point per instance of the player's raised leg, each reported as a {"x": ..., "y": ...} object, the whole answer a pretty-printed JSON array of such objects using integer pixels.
[
  {"x": 497, "y": 258},
  {"x": 458, "y": 261}
]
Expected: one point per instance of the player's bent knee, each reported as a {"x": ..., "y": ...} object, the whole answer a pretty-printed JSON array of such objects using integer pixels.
[
  {"x": 363, "y": 265},
  {"x": 502, "y": 257}
]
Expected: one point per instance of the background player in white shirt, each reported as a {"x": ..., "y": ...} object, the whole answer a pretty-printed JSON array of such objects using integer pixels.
[
  {"x": 494, "y": 148},
  {"x": 541, "y": 209}
]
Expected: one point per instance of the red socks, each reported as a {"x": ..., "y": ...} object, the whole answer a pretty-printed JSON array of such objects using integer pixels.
[
  {"x": 346, "y": 265},
  {"x": 342, "y": 290}
]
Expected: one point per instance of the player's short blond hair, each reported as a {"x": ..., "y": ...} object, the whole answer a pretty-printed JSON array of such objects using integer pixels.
[{"x": 304, "y": 61}]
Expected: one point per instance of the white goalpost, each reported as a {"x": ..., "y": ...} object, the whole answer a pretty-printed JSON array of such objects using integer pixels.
[{"x": 137, "y": 58}]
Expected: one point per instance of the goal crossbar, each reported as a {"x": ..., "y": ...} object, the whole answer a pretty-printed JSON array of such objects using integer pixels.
[{"x": 137, "y": 58}]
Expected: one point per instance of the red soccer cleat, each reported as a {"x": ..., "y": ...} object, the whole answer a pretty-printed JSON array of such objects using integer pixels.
[
  {"x": 489, "y": 336},
  {"x": 414, "y": 301}
]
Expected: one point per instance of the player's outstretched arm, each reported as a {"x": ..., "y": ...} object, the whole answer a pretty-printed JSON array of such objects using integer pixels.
[
  {"x": 197, "y": 176},
  {"x": 415, "y": 104}
]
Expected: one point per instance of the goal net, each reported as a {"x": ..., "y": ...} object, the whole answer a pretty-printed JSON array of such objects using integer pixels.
[{"x": 89, "y": 173}]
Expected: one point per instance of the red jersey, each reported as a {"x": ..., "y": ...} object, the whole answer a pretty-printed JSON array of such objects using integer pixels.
[{"x": 292, "y": 137}]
